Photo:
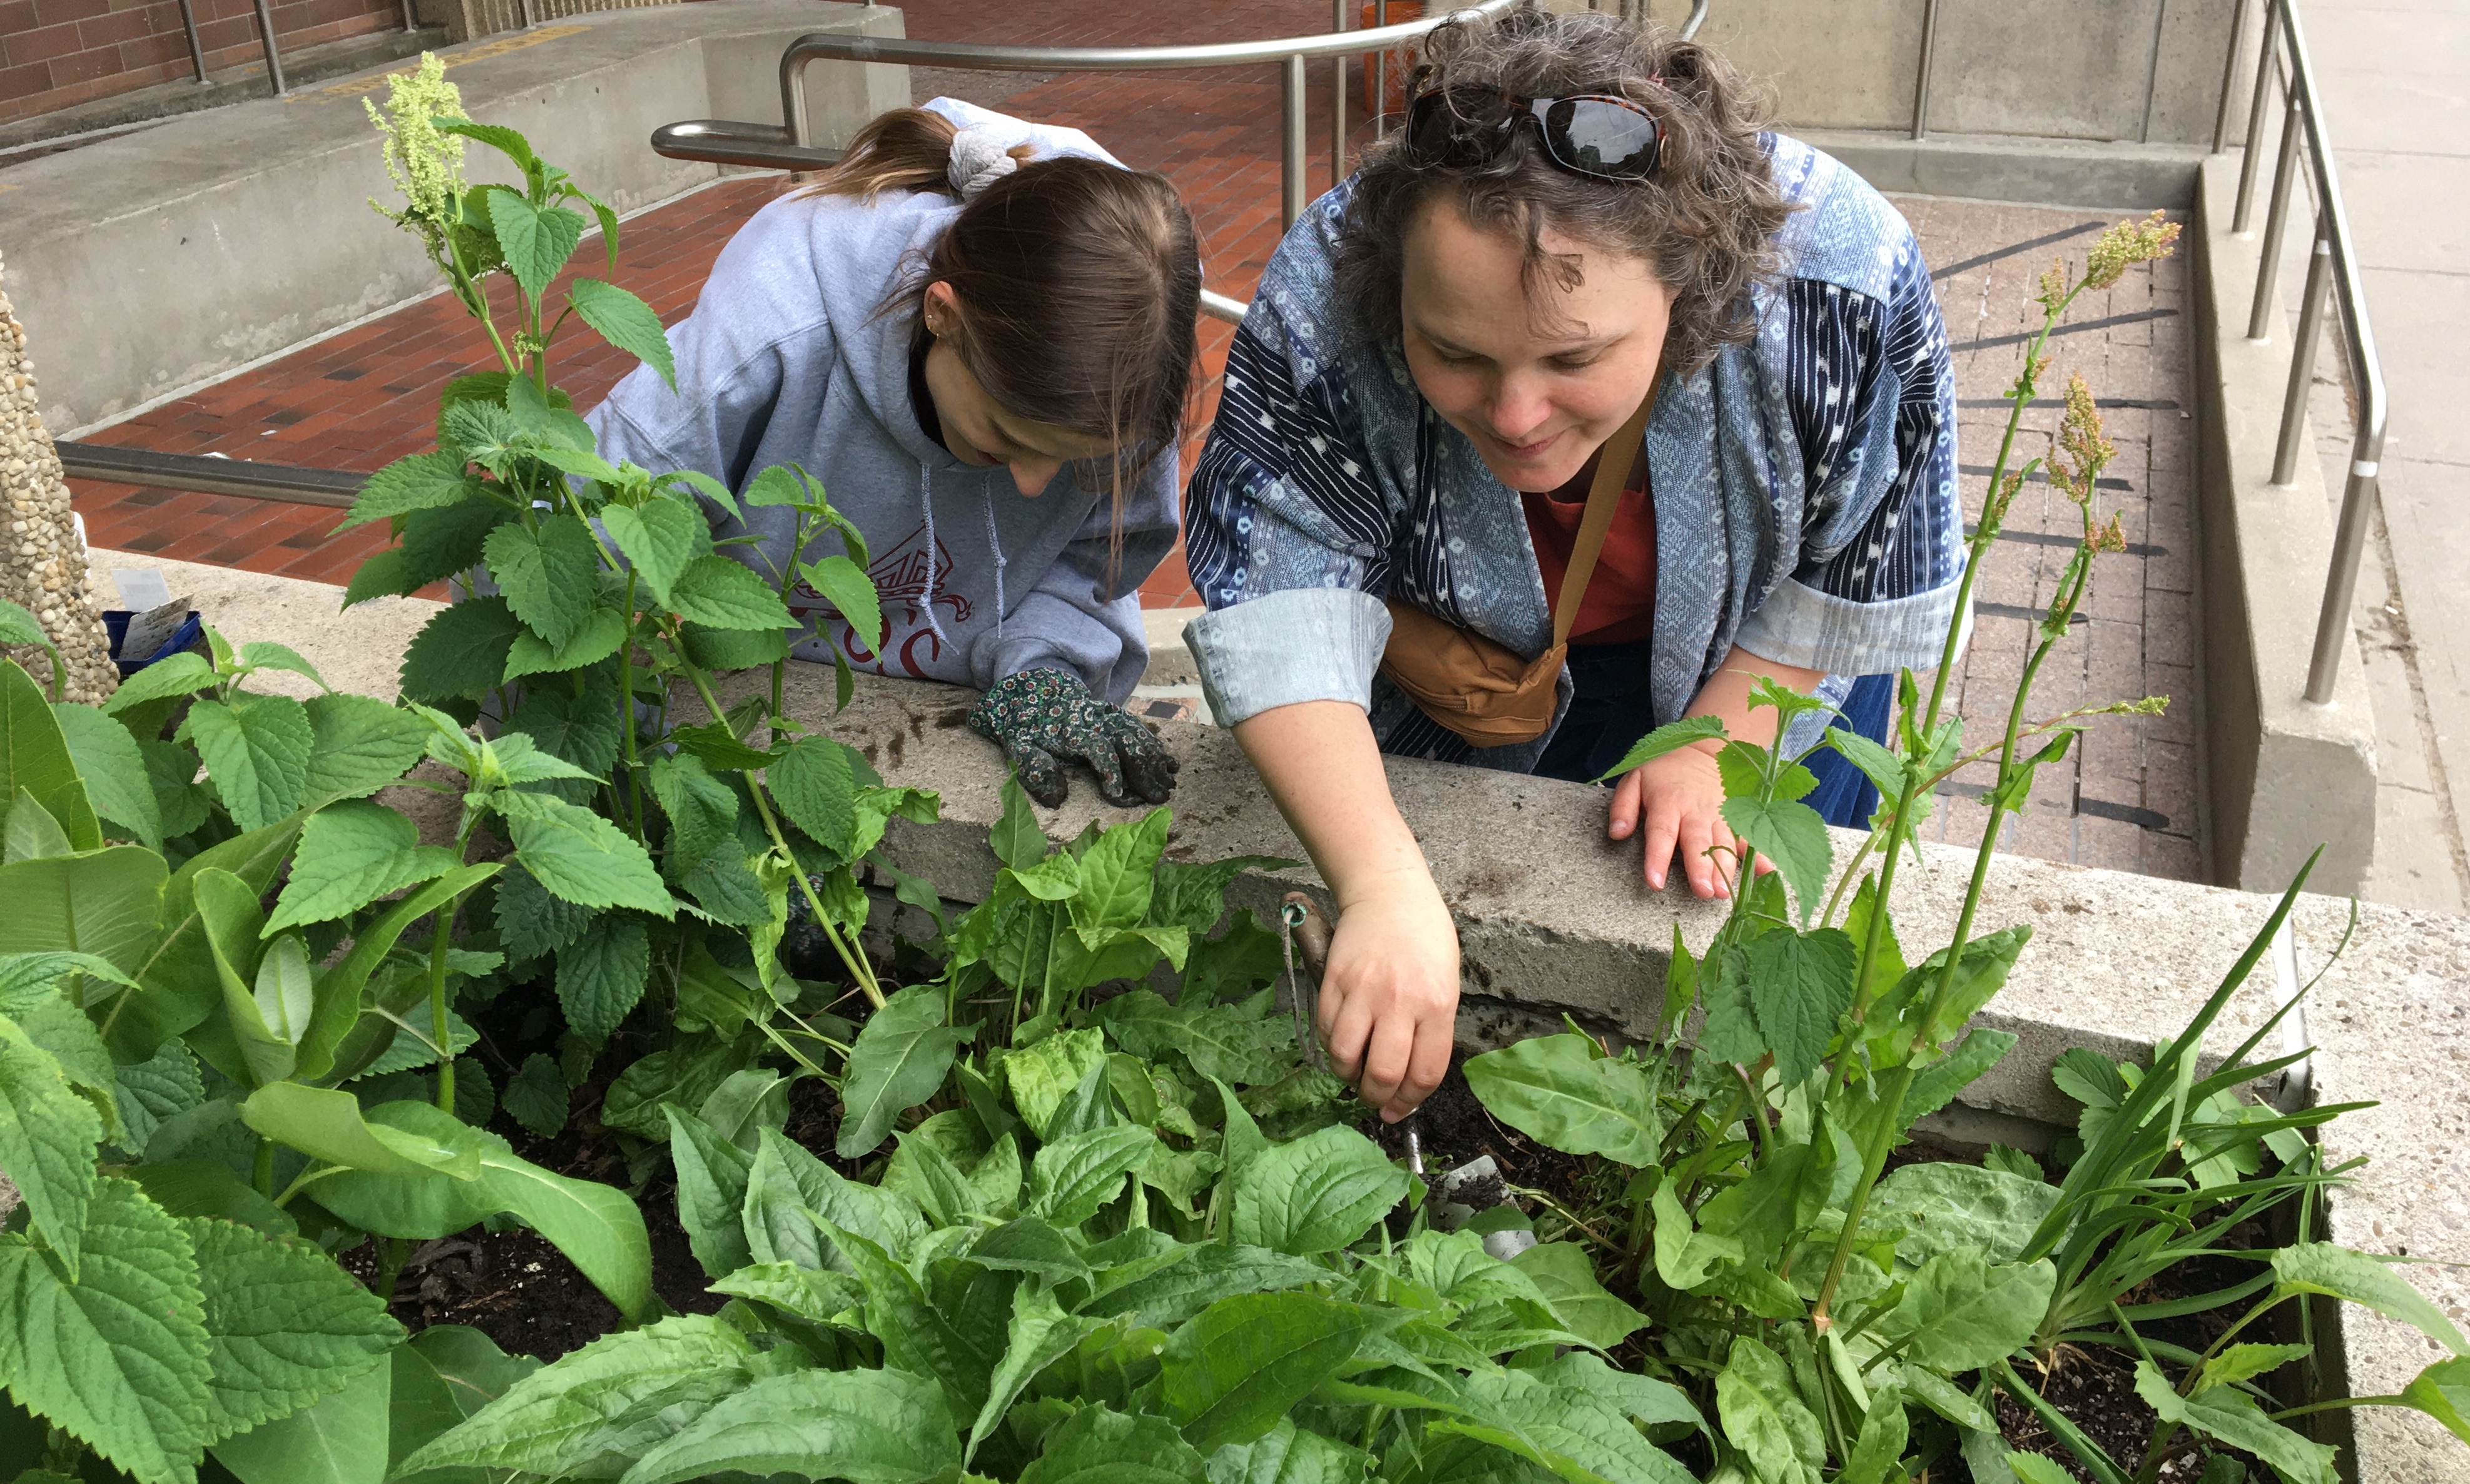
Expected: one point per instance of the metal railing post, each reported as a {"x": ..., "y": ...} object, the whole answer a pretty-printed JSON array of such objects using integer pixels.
[
  {"x": 2230, "y": 75},
  {"x": 1928, "y": 60},
  {"x": 2303, "y": 356},
  {"x": 1290, "y": 143},
  {"x": 197, "y": 53},
  {"x": 1380, "y": 75},
  {"x": 2342, "y": 583},
  {"x": 2276, "y": 219},
  {"x": 274, "y": 58},
  {"x": 2255, "y": 119},
  {"x": 1337, "y": 98},
  {"x": 525, "y": 8}
]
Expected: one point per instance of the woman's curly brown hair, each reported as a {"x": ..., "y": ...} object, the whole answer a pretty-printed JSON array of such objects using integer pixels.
[{"x": 1703, "y": 220}]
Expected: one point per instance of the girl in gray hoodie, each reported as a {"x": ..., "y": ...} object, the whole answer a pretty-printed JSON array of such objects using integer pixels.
[{"x": 977, "y": 334}]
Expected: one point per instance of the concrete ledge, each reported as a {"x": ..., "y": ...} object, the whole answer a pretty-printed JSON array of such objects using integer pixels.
[
  {"x": 1555, "y": 918},
  {"x": 2038, "y": 172},
  {"x": 2283, "y": 774},
  {"x": 182, "y": 253}
]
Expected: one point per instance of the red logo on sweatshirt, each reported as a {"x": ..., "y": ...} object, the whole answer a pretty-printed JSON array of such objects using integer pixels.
[{"x": 900, "y": 584}]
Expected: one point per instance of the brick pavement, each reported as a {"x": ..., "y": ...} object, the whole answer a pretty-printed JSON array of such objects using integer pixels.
[{"x": 2128, "y": 799}]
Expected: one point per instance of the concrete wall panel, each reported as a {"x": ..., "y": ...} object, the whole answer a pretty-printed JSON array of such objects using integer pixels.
[{"x": 1848, "y": 64}]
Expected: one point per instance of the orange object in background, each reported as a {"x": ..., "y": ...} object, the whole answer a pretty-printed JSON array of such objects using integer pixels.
[{"x": 1402, "y": 60}]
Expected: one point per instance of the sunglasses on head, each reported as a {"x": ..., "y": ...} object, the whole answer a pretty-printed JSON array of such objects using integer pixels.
[{"x": 1590, "y": 134}]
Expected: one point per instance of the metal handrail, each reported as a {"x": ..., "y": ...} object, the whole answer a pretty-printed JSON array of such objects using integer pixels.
[
  {"x": 784, "y": 145},
  {"x": 210, "y": 475},
  {"x": 2332, "y": 271}
]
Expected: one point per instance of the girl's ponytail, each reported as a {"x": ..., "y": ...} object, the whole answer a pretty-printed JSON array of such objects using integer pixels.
[{"x": 905, "y": 149}]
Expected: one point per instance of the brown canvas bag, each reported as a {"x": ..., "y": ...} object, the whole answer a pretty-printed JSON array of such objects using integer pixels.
[{"x": 1478, "y": 689}]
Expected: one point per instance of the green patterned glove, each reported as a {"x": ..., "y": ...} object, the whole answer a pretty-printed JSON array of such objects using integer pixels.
[{"x": 1040, "y": 718}]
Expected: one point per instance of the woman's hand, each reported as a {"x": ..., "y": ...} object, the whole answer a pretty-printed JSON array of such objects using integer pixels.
[
  {"x": 1389, "y": 995},
  {"x": 1679, "y": 798}
]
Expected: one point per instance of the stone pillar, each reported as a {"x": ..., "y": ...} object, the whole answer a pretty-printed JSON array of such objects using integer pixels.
[{"x": 42, "y": 563}]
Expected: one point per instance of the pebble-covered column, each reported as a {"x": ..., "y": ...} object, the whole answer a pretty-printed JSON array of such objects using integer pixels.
[{"x": 42, "y": 563}]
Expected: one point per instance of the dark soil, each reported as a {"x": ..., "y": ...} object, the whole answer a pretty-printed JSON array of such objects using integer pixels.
[{"x": 1452, "y": 1127}]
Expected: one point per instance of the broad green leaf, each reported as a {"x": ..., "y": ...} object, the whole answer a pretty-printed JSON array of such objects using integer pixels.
[
  {"x": 1565, "y": 1276},
  {"x": 537, "y": 1096},
  {"x": 1960, "y": 1312},
  {"x": 418, "y": 482},
  {"x": 2321, "y": 1267},
  {"x": 1765, "y": 1418},
  {"x": 1234, "y": 1370},
  {"x": 845, "y": 584},
  {"x": 1574, "y": 1432},
  {"x": 684, "y": 1073},
  {"x": 209, "y": 1189},
  {"x": 657, "y": 540},
  {"x": 118, "y": 1359},
  {"x": 581, "y": 857},
  {"x": 601, "y": 975},
  {"x": 1017, "y": 838},
  {"x": 179, "y": 675},
  {"x": 31, "y": 834},
  {"x": 339, "y": 988},
  {"x": 285, "y": 1325},
  {"x": 549, "y": 572},
  {"x": 899, "y": 1060},
  {"x": 1223, "y": 1041},
  {"x": 720, "y": 593},
  {"x": 1944, "y": 1206},
  {"x": 475, "y": 1370},
  {"x": 1980, "y": 975},
  {"x": 1289, "y": 1454},
  {"x": 352, "y": 853},
  {"x": 256, "y": 748},
  {"x": 104, "y": 902},
  {"x": 1559, "y": 1090},
  {"x": 511, "y": 144},
  {"x": 624, "y": 321},
  {"x": 788, "y": 1189},
  {"x": 808, "y": 1293},
  {"x": 917, "y": 1336},
  {"x": 285, "y": 991},
  {"x": 884, "y": 1427},
  {"x": 1040, "y": 1334},
  {"x": 598, "y": 634},
  {"x": 1937, "y": 1084},
  {"x": 1117, "y": 875},
  {"x": 1683, "y": 1255},
  {"x": 1801, "y": 985},
  {"x": 2443, "y": 1391},
  {"x": 585, "y": 728},
  {"x": 35, "y": 757},
  {"x": 181, "y": 984},
  {"x": 1671, "y": 737},
  {"x": 594, "y": 1412},
  {"x": 599, "y": 1228},
  {"x": 1639, "y": 1398},
  {"x": 531, "y": 924},
  {"x": 1790, "y": 834},
  {"x": 150, "y": 1091},
  {"x": 268, "y": 654},
  {"x": 1315, "y": 1195},
  {"x": 1042, "y": 1075},
  {"x": 2034, "y": 1469},
  {"x": 113, "y": 770},
  {"x": 1098, "y": 1444},
  {"x": 1072, "y": 1178},
  {"x": 2245, "y": 1362},
  {"x": 2232, "y": 1416},
  {"x": 460, "y": 651},
  {"x": 712, "y": 1175},
  {"x": 1205, "y": 1274},
  {"x": 1880, "y": 1445},
  {"x": 248, "y": 1048},
  {"x": 327, "y": 1124},
  {"x": 172, "y": 772},
  {"x": 536, "y": 239},
  {"x": 1731, "y": 1032},
  {"x": 47, "y": 1139}
]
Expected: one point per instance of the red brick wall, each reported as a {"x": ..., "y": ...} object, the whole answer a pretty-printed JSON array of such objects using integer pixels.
[{"x": 55, "y": 54}]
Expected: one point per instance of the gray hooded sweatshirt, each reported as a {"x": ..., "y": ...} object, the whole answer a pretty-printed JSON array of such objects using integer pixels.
[{"x": 786, "y": 361}]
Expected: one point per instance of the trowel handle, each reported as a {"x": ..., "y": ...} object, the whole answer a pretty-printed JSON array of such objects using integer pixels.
[{"x": 1312, "y": 931}]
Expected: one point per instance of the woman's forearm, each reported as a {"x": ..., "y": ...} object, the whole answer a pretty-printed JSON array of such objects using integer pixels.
[
  {"x": 1727, "y": 695},
  {"x": 1323, "y": 770}
]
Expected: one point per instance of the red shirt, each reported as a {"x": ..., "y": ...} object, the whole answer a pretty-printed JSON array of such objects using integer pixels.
[{"x": 1619, "y": 605}]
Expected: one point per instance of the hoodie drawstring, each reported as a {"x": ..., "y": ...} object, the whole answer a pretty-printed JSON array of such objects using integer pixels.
[
  {"x": 926, "y": 505},
  {"x": 995, "y": 544}
]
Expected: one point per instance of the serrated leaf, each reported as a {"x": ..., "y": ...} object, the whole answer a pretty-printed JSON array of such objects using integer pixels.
[
  {"x": 285, "y": 1325},
  {"x": 181, "y": 675},
  {"x": 657, "y": 540},
  {"x": 1939, "y": 1082},
  {"x": 422, "y": 481},
  {"x": 599, "y": 634},
  {"x": 1559, "y": 1090},
  {"x": 721, "y": 593},
  {"x": 899, "y": 1060},
  {"x": 818, "y": 790},
  {"x": 1071, "y": 1177},
  {"x": 256, "y": 748},
  {"x": 549, "y": 573},
  {"x": 362, "y": 745},
  {"x": 1235, "y": 1369},
  {"x": 119, "y": 1358},
  {"x": 536, "y": 239},
  {"x": 594, "y": 1411},
  {"x": 1669, "y": 737},
  {"x": 537, "y": 1096},
  {"x": 352, "y": 853},
  {"x": 112, "y": 769},
  {"x": 1097, "y": 1444},
  {"x": 1315, "y": 1195},
  {"x": 47, "y": 1139},
  {"x": 885, "y": 1427},
  {"x": 846, "y": 586},
  {"x": 581, "y": 857},
  {"x": 531, "y": 924},
  {"x": 1792, "y": 835},
  {"x": 625, "y": 322},
  {"x": 460, "y": 651},
  {"x": 1801, "y": 985},
  {"x": 601, "y": 975}
]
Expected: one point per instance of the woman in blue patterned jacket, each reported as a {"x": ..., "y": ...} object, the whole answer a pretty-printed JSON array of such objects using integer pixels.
[{"x": 1576, "y": 213}]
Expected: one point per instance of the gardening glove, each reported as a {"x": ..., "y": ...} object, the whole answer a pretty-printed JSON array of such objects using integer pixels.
[{"x": 1041, "y": 718}]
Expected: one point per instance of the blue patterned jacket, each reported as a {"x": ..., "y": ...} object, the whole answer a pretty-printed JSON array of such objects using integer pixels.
[{"x": 1804, "y": 486}]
